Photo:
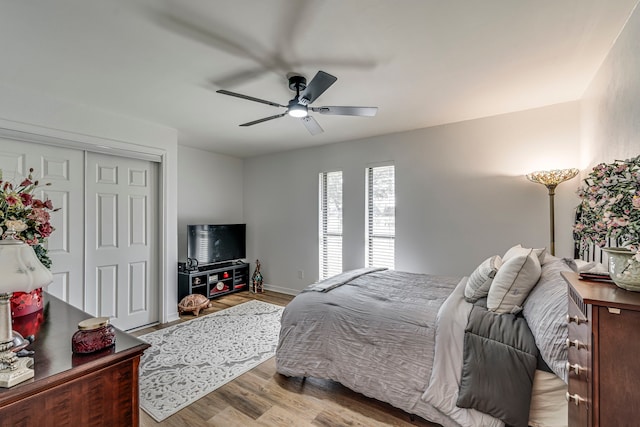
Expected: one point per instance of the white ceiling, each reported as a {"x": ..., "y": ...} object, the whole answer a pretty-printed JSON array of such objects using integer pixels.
[{"x": 422, "y": 62}]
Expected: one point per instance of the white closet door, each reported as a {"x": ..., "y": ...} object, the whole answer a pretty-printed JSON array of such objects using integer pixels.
[
  {"x": 64, "y": 169},
  {"x": 121, "y": 254}
]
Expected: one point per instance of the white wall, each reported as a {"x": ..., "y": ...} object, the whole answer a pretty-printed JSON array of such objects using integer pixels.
[
  {"x": 461, "y": 195},
  {"x": 35, "y": 113},
  {"x": 210, "y": 191},
  {"x": 611, "y": 105}
]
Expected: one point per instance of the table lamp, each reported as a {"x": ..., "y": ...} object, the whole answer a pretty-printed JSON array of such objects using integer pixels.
[
  {"x": 551, "y": 179},
  {"x": 20, "y": 270}
]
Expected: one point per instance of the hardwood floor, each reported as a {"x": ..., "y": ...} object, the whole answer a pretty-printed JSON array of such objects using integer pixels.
[{"x": 262, "y": 397}]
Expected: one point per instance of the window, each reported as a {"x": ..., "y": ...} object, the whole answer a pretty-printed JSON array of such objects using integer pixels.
[
  {"x": 381, "y": 217},
  {"x": 330, "y": 223}
]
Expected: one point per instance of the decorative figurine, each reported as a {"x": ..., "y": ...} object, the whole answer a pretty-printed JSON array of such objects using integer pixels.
[
  {"x": 256, "y": 280},
  {"x": 194, "y": 303}
]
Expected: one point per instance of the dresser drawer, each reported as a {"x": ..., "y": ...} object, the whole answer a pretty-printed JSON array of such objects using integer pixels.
[
  {"x": 579, "y": 332},
  {"x": 579, "y": 363},
  {"x": 606, "y": 319}
]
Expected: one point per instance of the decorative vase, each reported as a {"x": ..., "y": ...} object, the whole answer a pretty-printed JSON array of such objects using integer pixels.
[
  {"x": 93, "y": 335},
  {"x": 25, "y": 303},
  {"x": 624, "y": 268},
  {"x": 29, "y": 324}
]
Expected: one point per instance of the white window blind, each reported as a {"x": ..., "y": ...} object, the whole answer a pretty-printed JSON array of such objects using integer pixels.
[
  {"x": 330, "y": 223},
  {"x": 381, "y": 216}
]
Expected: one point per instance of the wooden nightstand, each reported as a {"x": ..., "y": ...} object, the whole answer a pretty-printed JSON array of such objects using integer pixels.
[{"x": 604, "y": 354}]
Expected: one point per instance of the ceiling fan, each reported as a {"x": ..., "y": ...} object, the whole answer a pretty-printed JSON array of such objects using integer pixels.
[{"x": 306, "y": 94}]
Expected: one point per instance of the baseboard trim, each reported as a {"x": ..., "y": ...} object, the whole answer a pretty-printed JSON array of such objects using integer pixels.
[
  {"x": 172, "y": 317},
  {"x": 281, "y": 289}
]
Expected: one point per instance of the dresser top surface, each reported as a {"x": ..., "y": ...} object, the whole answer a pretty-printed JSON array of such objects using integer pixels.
[
  {"x": 53, "y": 358},
  {"x": 602, "y": 293}
]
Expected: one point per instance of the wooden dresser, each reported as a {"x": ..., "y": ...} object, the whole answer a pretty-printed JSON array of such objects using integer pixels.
[
  {"x": 99, "y": 389},
  {"x": 604, "y": 354}
]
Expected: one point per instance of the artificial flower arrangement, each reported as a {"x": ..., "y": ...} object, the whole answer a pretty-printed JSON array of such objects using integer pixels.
[
  {"x": 610, "y": 207},
  {"x": 29, "y": 216}
]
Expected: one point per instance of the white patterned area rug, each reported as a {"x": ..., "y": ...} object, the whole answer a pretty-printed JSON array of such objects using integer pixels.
[{"x": 189, "y": 360}]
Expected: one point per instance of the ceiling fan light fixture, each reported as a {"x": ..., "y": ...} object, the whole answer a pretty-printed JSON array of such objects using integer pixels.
[
  {"x": 297, "y": 110},
  {"x": 299, "y": 106}
]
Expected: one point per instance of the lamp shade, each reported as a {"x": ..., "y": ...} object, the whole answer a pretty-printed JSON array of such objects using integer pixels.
[
  {"x": 552, "y": 178},
  {"x": 20, "y": 269}
]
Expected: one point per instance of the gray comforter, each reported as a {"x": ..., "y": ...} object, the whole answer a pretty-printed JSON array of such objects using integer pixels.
[
  {"x": 500, "y": 358},
  {"x": 376, "y": 334}
]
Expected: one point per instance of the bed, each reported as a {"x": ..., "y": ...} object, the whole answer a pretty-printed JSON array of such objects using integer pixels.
[{"x": 409, "y": 340}]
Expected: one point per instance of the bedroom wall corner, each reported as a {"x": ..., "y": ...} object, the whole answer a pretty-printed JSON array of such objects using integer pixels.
[
  {"x": 210, "y": 191},
  {"x": 610, "y": 108}
]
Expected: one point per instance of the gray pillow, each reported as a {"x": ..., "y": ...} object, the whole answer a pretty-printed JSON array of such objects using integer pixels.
[
  {"x": 480, "y": 280},
  {"x": 545, "y": 310}
]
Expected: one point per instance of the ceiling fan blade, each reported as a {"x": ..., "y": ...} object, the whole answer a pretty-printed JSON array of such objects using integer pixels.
[
  {"x": 346, "y": 111},
  {"x": 237, "y": 77},
  {"x": 255, "y": 122},
  {"x": 312, "y": 126},
  {"x": 321, "y": 82},
  {"x": 249, "y": 98}
]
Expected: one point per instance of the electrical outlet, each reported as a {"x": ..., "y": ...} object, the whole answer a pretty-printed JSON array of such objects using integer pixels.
[{"x": 300, "y": 274}]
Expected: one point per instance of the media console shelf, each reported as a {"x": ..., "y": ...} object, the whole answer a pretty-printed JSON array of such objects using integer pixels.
[{"x": 213, "y": 281}]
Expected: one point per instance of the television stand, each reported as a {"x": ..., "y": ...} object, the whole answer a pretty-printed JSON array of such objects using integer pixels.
[
  {"x": 214, "y": 280},
  {"x": 216, "y": 266}
]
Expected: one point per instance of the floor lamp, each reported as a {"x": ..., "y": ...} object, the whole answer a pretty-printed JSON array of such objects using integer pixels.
[{"x": 551, "y": 179}]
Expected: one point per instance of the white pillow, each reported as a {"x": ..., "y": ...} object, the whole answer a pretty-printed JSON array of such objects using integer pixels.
[
  {"x": 513, "y": 282},
  {"x": 480, "y": 280},
  {"x": 519, "y": 250}
]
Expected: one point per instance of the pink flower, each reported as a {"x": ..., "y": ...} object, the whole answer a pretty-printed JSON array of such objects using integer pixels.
[
  {"x": 620, "y": 222},
  {"x": 45, "y": 229},
  {"x": 13, "y": 200},
  {"x": 26, "y": 182},
  {"x": 27, "y": 199},
  {"x": 39, "y": 215}
]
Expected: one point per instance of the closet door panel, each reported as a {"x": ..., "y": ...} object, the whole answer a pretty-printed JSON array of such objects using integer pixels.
[
  {"x": 63, "y": 168},
  {"x": 12, "y": 164},
  {"x": 121, "y": 233}
]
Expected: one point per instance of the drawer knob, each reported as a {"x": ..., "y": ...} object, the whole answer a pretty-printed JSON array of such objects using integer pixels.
[
  {"x": 575, "y": 398},
  {"x": 575, "y": 319},
  {"x": 576, "y": 343},
  {"x": 575, "y": 368}
]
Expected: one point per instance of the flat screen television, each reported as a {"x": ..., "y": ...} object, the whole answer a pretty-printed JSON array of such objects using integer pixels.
[{"x": 214, "y": 243}]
